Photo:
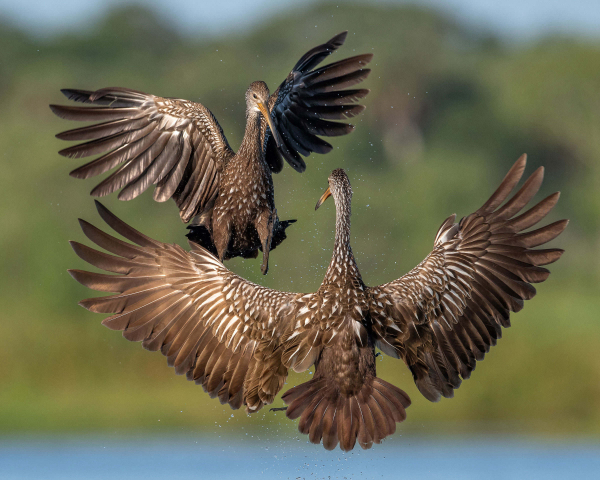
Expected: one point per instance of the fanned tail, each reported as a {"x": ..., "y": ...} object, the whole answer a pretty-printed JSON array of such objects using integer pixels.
[
  {"x": 201, "y": 235},
  {"x": 368, "y": 416},
  {"x": 279, "y": 234}
]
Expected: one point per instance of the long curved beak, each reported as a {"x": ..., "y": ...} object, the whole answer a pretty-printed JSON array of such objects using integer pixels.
[
  {"x": 324, "y": 197},
  {"x": 265, "y": 111}
]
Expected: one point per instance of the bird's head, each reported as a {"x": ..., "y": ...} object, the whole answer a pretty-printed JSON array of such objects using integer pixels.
[
  {"x": 339, "y": 187},
  {"x": 257, "y": 99}
]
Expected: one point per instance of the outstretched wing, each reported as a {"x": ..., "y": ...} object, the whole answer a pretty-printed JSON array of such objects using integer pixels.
[
  {"x": 219, "y": 329},
  {"x": 174, "y": 144},
  {"x": 308, "y": 98},
  {"x": 445, "y": 314}
]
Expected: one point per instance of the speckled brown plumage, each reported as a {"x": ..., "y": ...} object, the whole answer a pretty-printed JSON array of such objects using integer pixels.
[
  {"x": 238, "y": 340},
  {"x": 180, "y": 147}
]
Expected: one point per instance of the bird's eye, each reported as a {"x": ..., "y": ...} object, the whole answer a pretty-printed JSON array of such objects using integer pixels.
[{"x": 254, "y": 95}]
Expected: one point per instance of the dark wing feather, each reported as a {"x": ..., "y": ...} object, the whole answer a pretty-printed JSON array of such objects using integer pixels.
[
  {"x": 446, "y": 313},
  {"x": 303, "y": 104},
  {"x": 218, "y": 329},
  {"x": 174, "y": 144}
]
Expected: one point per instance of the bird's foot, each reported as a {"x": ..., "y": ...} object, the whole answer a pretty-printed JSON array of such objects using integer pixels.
[
  {"x": 264, "y": 268},
  {"x": 278, "y": 409}
]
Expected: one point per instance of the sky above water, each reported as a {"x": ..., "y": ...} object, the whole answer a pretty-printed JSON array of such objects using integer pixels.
[{"x": 511, "y": 19}]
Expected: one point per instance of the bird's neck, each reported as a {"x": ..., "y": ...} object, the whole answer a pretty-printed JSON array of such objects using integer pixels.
[
  {"x": 342, "y": 271},
  {"x": 251, "y": 147}
]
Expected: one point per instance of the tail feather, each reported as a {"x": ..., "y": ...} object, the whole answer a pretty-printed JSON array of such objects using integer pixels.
[
  {"x": 356, "y": 413},
  {"x": 347, "y": 423},
  {"x": 316, "y": 427},
  {"x": 306, "y": 420},
  {"x": 330, "y": 437},
  {"x": 331, "y": 417},
  {"x": 381, "y": 424},
  {"x": 384, "y": 407},
  {"x": 394, "y": 400},
  {"x": 366, "y": 431},
  {"x": 302, "y": 395}
]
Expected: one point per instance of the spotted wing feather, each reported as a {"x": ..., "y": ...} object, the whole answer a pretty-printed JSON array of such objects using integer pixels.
[
  {"x": 445, "y": 314},
  {"x": 174, "y": 144}
]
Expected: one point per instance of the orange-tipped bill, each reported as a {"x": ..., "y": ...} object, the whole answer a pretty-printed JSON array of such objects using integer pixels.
[
  {"x": 265, "y": 111},
  {"x": 324, "y": 197}
]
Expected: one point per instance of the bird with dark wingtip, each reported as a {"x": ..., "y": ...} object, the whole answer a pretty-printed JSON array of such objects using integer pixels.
[
  {"x": 180, "y": 147},
  {"x": 238, "y": 340}
]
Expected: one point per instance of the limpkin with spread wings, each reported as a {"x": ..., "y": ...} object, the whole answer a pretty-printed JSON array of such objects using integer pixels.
[
  {"x": 238, "y": 339},
  {"x": 179, "y": 146}
]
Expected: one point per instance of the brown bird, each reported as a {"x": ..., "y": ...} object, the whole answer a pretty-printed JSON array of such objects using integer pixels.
[
  {"x": 180, "y": 147},
  {"x": 238, "y": 339}
]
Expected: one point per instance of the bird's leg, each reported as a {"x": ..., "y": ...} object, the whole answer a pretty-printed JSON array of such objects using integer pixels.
[
  {"x": 278, "y": 409},
  {"x": 264, "y": 227},
  {"x": 221, "y": 238}
]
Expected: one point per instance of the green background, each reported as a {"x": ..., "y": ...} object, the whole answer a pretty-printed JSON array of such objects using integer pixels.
[{"x": 450, "y": 110}]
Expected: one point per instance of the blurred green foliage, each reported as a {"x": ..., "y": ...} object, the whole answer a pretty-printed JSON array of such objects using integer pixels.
[{"x": 450, "y": 110}]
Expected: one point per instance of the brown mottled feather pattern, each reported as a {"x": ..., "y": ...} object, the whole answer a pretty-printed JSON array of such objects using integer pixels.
[
  {"x": 185, "y": 304},
  {"x": 480, "y": 270},
  {"x": 238, "y": 340},
  {"x": 178, "y": 146}
]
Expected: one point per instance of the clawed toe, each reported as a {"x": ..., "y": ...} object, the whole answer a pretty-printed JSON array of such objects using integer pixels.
[{"x": 278, "y": 409}]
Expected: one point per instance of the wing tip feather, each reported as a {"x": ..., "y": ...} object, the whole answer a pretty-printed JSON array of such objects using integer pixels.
[
  {"x": 77, "y": 275},
  {"x": 339, "y": 39},
  {"x": 55, "y": 109}
]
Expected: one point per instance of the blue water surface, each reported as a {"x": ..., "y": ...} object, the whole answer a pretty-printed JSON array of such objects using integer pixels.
[{"x": 189, "y": 457}]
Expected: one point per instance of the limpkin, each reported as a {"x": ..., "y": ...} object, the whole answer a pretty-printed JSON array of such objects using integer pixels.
[
  {"x": 238, "y": 339},
  {"x": 179, "y": 146}
]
